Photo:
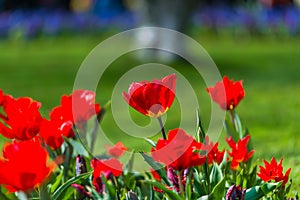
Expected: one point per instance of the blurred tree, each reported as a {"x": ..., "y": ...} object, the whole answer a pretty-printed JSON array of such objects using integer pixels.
[
  {"x": 172, "y": 14},
  {"x": 35, "y": 4},
  {"x": 19, "y": 4}
]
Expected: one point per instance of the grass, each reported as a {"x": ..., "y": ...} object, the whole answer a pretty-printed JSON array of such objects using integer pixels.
[{"x": 44, "y": 69}]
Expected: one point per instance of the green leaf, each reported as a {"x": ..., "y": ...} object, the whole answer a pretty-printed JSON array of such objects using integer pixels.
[
  {"x": 157, "y": 167},
  {"x": 68, "y": 152},
  {"x": 43, "y": 191},
  {"x": 129, "y": 166},
  {"x": 199, "y": 184},
  {"x": 110, "y": 188},
  {"x": 151, "y": 142},
  {"x": 171, "y": 194},
  {"x": 188, "y": 187},
  {"x": 205, "y": 197},
  {"x": 58, "y": 180},
  {"x": 63, "y": 187},
  {"x": 219, "y": 190},
  {"x": 252, "y": 177},
  {"x": 94, "y": 193},
  {"x": 259, "y": 191},
  {"x": 239, "y": 178},
  {"x": 3, "y": 195},
  {"x": 238, "y": 124},
  {"x": 230, "y": 130},
  {"x": 146, "y": 190},
  {"x": 68, "y": 193},
  {"x": 215, "y": 175},
  {"x": 200, "y": 130}
]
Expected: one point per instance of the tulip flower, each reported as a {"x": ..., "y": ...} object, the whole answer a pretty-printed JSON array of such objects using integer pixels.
[
  {"x": 273, "y": 171},
  {"x": 117, "y": 150},
  {"x": 108, "y": 168},
  {"x": 213, "y": 153},
  {"x": 235, "y": 192},
  {"x": 79, "y": 107},
  {"x": 22, "y": 120},
  {"x": 152, "y": 98},
  {"x": 52, "y": 131},
  {"x": 24, "y": 165},
  {"x": 179, "y": 151},
  {"x": 239, "y": 151},
  {"x": 227, "y": 93}
]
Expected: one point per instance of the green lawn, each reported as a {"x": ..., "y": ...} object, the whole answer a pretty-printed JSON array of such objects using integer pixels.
[{"x": 44, "y": 69}]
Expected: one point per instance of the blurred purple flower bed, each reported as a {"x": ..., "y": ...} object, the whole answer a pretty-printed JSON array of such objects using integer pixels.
[
  {"x": 34, "y": 23},
  {"x": 256, "y": 19}
]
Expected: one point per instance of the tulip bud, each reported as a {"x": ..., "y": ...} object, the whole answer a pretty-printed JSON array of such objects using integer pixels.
[
  {"x": 80, "y": 165},
  {"x": 131, "y": 196},
  {"x": 81, "y": 190},
  {"x": 235, "y": 193},
  {"x": 173, "y": 177}
]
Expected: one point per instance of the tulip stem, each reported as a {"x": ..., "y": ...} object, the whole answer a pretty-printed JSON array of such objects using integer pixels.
[
  {"x": 162, "y": 128},
  {"x": 231, "y": 112}
]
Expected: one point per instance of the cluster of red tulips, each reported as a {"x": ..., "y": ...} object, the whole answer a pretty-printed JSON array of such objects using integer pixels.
[{"x": 45, "y": 158}]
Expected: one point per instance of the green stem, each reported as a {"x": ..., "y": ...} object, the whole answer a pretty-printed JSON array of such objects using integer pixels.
[
  {"x": 181, "y": 188},
  {"x": 162, "y": 128},
  {"x": 234, "y": 176},
  {"x": 96, "y": 128},
  {"x": 206, "y": 171},
  {"x": 231, "y": 112}
]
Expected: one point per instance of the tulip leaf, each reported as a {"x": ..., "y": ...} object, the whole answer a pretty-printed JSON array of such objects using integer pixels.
[
  {"x": 259, "y": 191},
  {"x": 146, "y": 190},
  {"x": 157, "y": 167},
  {"x": 111, "y": 190},
  {"x": 230, "y": 130},
  {"x": 238, "y": 124},
  {"x": 205, "y": 197},
  {"x": 219, "y": 190},
  {"x": 151, "y": 142},
  {"x": 67, "y": 184},
  {"x": 172, "y": 195},
  {"x": 200, "y": 130},
  {"x": 199, "y": 184},
  {"x": 188, "y": 187},
  {"x": 57, "y": 181},
  {"x": 215, "y": 175},
  {"x": 129, "y": 166}
]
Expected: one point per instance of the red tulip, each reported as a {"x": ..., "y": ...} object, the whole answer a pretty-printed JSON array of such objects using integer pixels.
[
  {"x": 227, "y": 93},
  {"x": 24, "y": 165},
  {"x": 213, "y": 153},
  {"x": 53, "y": 131},
  {"x": 239, "y": 151},
  {"x": 273, "y": 171},
  {"x": 117, "y": 150},
  {"x": 108, "y": 168},
  {"x": 152, "y": 98},
  {"x": 22, "y": 120},
  {"x": 179, "y": 151},
  {"x": 78, "y": 107}
]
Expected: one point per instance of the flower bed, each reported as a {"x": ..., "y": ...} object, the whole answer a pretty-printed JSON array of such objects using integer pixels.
[{"x": 39, "y": 161}]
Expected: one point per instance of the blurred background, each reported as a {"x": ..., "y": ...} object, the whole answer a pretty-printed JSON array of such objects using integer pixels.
[{"x": 43, "y": 43}]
